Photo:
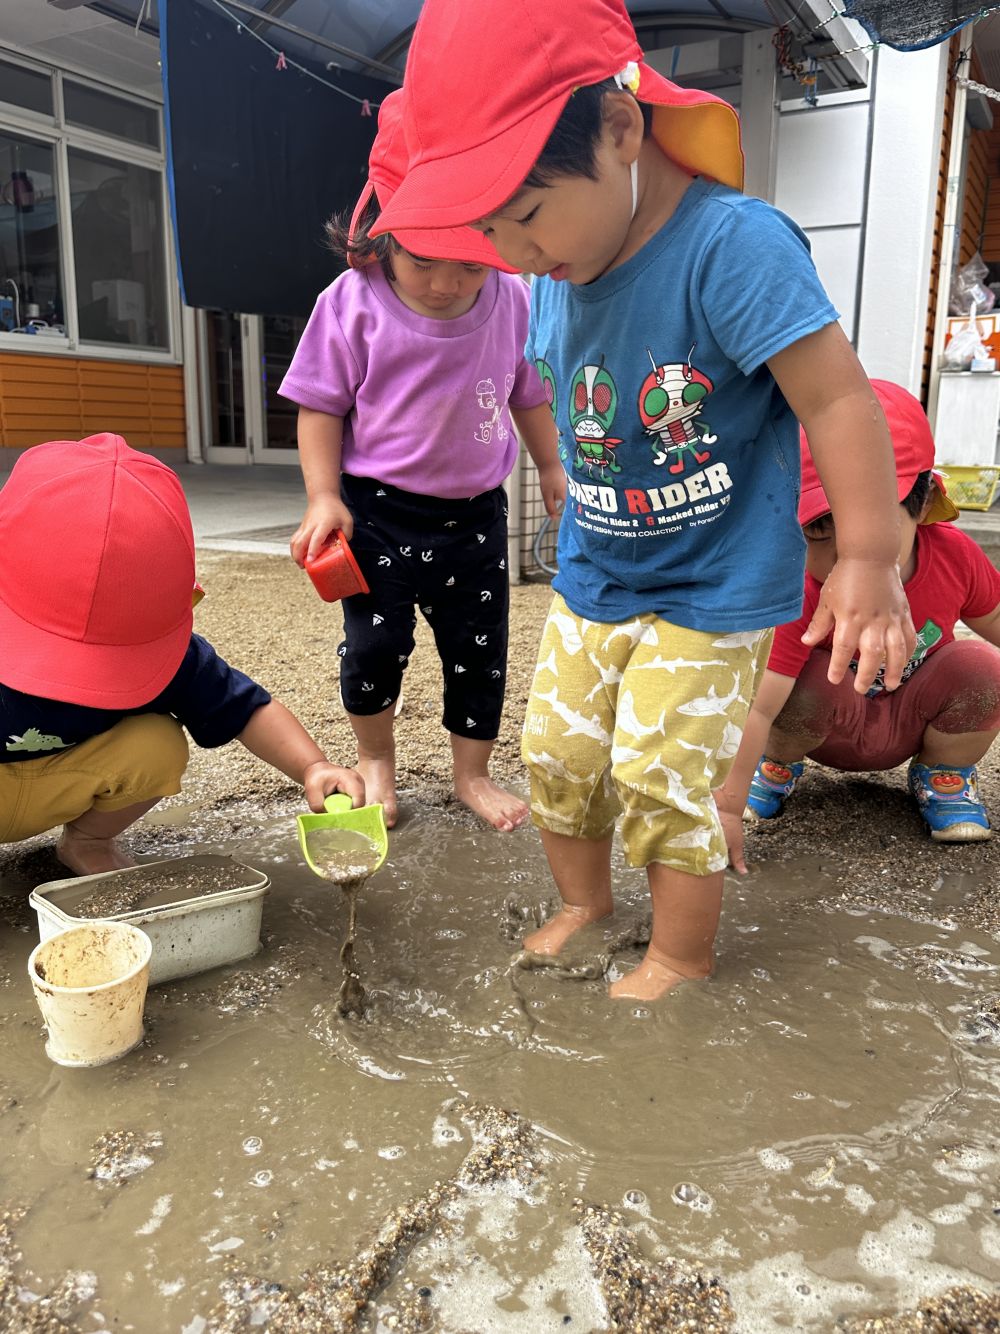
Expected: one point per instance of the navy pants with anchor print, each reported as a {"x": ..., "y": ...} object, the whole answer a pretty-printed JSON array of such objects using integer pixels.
[{"x": 449, "y": 558}]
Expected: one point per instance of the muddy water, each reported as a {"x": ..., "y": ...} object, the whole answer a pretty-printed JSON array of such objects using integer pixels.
[
  {"x": 346, "y": 858},
  {"x": 811, "y": 1136}
]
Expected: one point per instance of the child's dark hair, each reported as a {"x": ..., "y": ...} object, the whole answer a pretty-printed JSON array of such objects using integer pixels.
[
  {"x": 919, "y": 491},
  {"x": 358, "y": 249},
  {"x": 570, "y": 149},
  {"x": 913, "y": 502}
]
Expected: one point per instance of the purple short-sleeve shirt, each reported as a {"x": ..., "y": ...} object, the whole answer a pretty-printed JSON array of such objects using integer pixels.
[{"x": 425, "y": 402}]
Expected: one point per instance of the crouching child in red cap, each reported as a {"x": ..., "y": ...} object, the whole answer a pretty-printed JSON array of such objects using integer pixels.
[
  {"x": 683, "y": 329},
  {"x": 100, "y": 672},
  {"x": 944, "y": 716}
]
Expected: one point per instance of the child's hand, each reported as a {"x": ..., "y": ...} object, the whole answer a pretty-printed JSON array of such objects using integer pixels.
[
  {"x": 324, "y": 515},
  {"x": 732, "y": 827},
  {"x": 864, "y": 603},
  {"x": 552, "y": 481},
  {"x": 322, "y": 778}
]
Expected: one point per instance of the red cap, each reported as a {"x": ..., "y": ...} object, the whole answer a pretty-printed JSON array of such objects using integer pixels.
[
  {"x": 96, "y": 576},
  {"x": 912, "y": 443},
  {"x": 486, "y": 81},
  {"x": 386, "y": 168}
]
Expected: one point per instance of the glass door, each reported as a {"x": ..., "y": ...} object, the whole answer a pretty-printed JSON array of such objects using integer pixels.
[
  {"x": 224, "y": 409},
  {"x": 279, "y": 336}
]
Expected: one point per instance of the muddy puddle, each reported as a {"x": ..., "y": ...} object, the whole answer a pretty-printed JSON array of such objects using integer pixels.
[{"x": 810, "y": 1141}]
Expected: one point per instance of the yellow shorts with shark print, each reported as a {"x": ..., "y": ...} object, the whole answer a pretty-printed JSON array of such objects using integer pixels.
[
  {"x": 139, "y": 759},
  {"x": 642, "y": 720}
]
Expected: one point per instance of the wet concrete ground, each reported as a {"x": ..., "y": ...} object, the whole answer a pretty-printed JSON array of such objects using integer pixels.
[
  {"x": 809, "y": 1138},
  {"x": 810, "y": 1141}
]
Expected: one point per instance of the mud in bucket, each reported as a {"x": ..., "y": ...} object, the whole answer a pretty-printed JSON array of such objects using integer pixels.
[{"x": 90, "y": 985}]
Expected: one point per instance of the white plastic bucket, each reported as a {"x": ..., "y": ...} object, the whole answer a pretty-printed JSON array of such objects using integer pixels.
[{"x": 90, "y": 985}]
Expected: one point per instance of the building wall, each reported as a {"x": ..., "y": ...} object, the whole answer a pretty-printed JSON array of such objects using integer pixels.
[
  {"x": 67, "y": 398},
  {"x": 821, "y": 183}
]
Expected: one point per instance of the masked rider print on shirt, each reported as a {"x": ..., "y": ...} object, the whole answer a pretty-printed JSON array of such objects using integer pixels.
[{"x": 670, "y": 401}]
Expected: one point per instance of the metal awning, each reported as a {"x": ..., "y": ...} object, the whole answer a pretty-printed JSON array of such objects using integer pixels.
[{"x": 373, "y": 36}]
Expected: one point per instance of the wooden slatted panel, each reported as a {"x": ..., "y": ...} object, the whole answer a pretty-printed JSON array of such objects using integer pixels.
[
  {"x": 48, "y": 398},
  {"x": 939, "y": 212}
]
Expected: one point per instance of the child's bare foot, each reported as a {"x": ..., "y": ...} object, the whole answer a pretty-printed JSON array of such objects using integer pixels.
[
  {"x": 550, "y": 938},
  {"x": 379, "y": 773},
  {"x": 649, "y": 981},
  {"x": 497, "y": 807},
  {"x": 86, "y": 855}
]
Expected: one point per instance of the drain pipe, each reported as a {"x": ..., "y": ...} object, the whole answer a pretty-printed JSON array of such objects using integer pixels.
[
  {"x": 514, "y": 487},
  {"x": 192, "y": 391}
]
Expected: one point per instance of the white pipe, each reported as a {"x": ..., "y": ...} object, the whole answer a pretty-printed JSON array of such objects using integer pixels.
[{"x": 192, "y": 392}]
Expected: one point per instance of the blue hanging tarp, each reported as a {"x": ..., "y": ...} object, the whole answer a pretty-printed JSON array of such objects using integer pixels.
[
  {"x": 259, "y": 154},
  {"x": 911, "y": 25}
]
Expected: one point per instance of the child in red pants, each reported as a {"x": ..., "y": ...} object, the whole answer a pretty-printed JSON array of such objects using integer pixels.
[{"x": 944, "y": 715}]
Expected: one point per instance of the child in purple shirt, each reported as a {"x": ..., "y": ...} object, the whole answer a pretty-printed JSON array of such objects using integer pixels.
[{"x": 407, "y": 377}]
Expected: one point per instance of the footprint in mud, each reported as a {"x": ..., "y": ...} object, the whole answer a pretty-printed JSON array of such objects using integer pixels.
[
  {"x": 523, "y": 912},
  {"x": 984, "y": 1024},
  {"x": 120, "y": 1154}
]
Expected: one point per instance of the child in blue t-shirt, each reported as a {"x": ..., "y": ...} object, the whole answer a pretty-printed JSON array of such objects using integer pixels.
[{"x": 681, "y": 329}]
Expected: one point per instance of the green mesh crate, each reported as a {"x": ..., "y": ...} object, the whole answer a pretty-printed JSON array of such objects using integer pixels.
[{"x": 971, "y": 487}]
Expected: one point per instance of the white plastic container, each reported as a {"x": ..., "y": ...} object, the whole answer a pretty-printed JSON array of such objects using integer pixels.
[
  {"x": 90, "y": 985},
  {"x": 189, "y": 935}
]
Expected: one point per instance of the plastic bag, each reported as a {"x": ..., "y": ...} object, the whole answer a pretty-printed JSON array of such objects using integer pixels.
[
  {"x": 968, "y": 288},
  {"x": 966, "y": 344}
]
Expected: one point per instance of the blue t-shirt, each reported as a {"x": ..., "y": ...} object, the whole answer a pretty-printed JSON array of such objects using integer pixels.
[
  {"x": 681, "y": 451},
  {"x": 213, "y": 701}
]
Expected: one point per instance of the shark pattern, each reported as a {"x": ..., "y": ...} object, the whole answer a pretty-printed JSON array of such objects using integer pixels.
[
  {"x": 576, "y": 723},
  {"x": 712, "y": 703}
]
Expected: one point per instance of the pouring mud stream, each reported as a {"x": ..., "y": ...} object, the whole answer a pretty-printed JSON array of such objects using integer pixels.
[
  {"x": 346, "y": 846},
  {"x": 346, "y": 858}
]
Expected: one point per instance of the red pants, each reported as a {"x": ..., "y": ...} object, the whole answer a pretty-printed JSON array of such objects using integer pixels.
[{"x": 956, "y": 690}]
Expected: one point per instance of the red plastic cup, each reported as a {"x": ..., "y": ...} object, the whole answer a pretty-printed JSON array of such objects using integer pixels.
[{"x": 334, "y": 572}]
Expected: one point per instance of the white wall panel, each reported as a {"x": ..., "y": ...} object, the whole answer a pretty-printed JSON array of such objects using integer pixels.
[
  {"x": 821, "y": 164},
  {"x": 836, "y": 254}
]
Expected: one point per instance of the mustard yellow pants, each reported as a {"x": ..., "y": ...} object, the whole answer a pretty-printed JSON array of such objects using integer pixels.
[
  {"x": 642, "y": 720},
  {"x": 139, "y": 759}
]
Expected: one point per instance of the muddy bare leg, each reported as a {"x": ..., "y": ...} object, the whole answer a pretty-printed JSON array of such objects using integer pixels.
[
  {"x": 581, "y": 868},
  {"x": 477, "y": 790},
  {"x": 377, "y": 759},
  {"x": 88, "y": 845},
  {"x": 958, "y": 748},
  {"x": 686, "y": 910}
]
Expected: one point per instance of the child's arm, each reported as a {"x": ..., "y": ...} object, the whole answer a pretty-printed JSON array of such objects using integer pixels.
[
  {"x": 537, "y": 428},
  {"x": 731, "y": 797},
  {"x": 321, "y": 437},
  {"x": 863, "y": 599},
  {"x": 987, "y": 627},
  {"x": 277, "y": 737}
]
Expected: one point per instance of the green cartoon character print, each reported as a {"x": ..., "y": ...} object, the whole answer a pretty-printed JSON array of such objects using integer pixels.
[
  {"x": 34, "y": 741},
  {"x": 592, "y": 407},
  {"x": 552, "y": 395},
  {"x": 670, "y": 400}
]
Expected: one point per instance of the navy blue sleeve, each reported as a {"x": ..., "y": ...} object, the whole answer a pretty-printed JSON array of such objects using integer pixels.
[{"x": 213, "y": 700}]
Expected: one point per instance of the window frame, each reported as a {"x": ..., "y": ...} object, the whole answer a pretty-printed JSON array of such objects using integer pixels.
[{"x": 61, "y": 137}]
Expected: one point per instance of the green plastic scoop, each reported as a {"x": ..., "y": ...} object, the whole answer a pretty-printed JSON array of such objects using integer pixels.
[{"x": 360, "y": 850}]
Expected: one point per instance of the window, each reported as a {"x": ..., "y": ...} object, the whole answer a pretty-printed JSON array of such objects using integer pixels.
[
  {"x": 26, "y": 89},
  {"x": 83, "y": 226},
  {"x": 107, "y": 114},
  {"x": 30, "y": 285},
  {"x": 118, "y": 244}
]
